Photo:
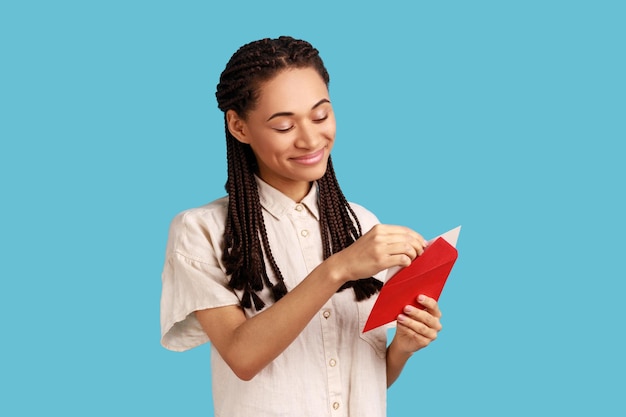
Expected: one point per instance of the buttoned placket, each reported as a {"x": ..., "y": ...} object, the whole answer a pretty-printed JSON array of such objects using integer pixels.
[
  {"x": 304, "y": 223},
  {"x": 331, "y": 358}
]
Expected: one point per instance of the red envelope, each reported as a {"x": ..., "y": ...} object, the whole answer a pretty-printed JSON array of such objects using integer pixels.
[{"x": 426, "y": 275}]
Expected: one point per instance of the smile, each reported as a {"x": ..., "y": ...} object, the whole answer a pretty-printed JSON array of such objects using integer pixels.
[{"x": 310, "y": 159}]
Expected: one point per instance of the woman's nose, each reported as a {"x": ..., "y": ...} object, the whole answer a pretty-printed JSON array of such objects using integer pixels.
[{"x": 308, "y": 137}]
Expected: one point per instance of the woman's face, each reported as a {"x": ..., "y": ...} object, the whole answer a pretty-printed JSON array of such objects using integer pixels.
[{"x": 291, "y": 130}]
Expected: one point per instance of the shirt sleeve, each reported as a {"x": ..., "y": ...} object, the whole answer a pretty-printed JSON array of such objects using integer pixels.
[
  {"x": 366, "y": 217},
  {"x": 193, "y": 278}
]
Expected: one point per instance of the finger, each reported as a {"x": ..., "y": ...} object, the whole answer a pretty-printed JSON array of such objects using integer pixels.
[
  {"x": 430, "y": 305},
  {"x": 423, "y": 316},
  {"x": 399, "y": 234},
  {"x": 397, "y": 260},
  {"x": 402, "y": 248},
  {"x": 416, "y": 241},
  {"x": 420, "y": 341},
  {"x": 417, "y": 327},
  {"x": 419, "y": 239},
  {"x": 401, "y": 230}
]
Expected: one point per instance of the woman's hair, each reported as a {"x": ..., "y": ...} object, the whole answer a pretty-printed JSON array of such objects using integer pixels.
[{"x": 245, "y": 236}]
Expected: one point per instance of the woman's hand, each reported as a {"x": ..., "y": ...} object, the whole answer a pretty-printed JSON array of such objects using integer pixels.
[
  {"x": 416, "y": 327},
  {"x": 383, "y": 247}
]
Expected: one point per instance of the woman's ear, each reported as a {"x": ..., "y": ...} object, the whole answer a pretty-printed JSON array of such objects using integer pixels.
[{"x": 237, "y": 126}]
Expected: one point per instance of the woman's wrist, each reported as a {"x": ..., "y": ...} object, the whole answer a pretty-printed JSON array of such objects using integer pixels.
[
  {"x": 396, "y": 351},
  {"x": 335, "y": 270}
]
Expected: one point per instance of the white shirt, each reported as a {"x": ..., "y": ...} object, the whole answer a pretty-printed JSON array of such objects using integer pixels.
[{"x": 331, "y": 368}]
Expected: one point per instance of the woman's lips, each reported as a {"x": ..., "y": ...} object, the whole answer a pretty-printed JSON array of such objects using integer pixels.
[{"x": 310, "y": 159}]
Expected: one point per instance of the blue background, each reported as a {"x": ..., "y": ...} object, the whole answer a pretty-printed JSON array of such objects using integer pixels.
[{"x": 505, "y": 117}]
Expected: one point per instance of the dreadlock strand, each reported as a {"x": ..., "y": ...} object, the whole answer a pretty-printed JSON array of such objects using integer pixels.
[
  {"x": 344, "y": 223},
  {"x": 279, "y": 289}
]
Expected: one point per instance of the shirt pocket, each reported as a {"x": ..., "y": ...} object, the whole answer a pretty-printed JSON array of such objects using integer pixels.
[{"x": 376, "y": 338}]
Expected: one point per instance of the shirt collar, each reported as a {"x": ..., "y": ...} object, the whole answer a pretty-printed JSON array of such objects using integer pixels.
[{"x": 278, "y": 204}]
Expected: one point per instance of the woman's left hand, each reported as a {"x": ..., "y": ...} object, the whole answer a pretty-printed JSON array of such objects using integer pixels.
[{"x": 418, "y": 327}]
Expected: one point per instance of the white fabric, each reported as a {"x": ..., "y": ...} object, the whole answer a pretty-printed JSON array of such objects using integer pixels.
[{"x": 331, "y": 369}]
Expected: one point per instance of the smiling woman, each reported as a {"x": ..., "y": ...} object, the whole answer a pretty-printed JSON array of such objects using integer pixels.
[
  {"x": 261, "y": 273},
  {"x": 290, "y": 134}
]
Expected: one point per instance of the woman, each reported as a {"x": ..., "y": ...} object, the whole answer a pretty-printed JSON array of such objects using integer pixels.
[{"x": 281, "y": 274}]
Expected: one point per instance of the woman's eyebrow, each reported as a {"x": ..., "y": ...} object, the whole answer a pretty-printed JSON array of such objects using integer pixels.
[
  {"x": 319, "y": 103},
  {"x": 286, "y": 113}
]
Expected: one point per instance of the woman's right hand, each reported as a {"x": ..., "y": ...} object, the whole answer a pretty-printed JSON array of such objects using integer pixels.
[{"x": 383, "y": 247}]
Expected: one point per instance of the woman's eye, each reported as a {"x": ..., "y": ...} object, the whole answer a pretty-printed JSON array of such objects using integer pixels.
[
  {"x": 321, "y": 118},
  {"x": 283, "y": 129}
]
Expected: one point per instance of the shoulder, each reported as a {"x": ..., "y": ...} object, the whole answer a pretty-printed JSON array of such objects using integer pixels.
[
  {"x": 192, "y": 230},
  {"x": 366, "y": 217},
  {"x": 211, "y": 212}
]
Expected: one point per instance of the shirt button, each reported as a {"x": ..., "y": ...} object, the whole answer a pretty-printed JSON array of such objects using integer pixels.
[
  {"x": 335, "y": 405},
  {"x": 326, "y": 314},
  {"x": 304, "y": 233},
  {"x": 299, "y": 207},
  {"x": 332, "y": 362}
]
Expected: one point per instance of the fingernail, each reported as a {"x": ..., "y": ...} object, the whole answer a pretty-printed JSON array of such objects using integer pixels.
[
  {"x": 421, "y": 298},
  {"x": 401, "y": 318},
  {"x": 408, "y": 309}
]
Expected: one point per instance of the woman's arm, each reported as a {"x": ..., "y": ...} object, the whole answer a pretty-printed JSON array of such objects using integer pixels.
[
  {"x": 248, "y": 345},
  {"x": 416, "y": 329}
]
